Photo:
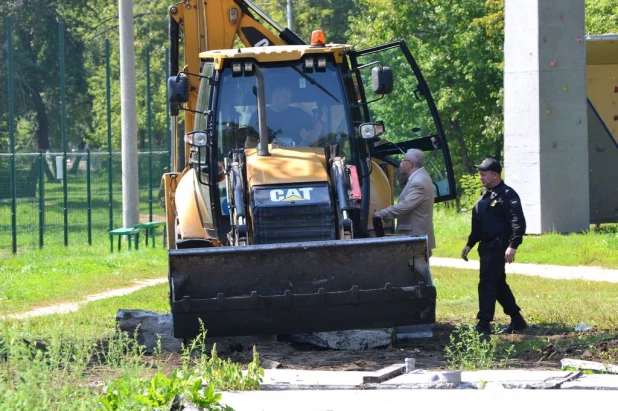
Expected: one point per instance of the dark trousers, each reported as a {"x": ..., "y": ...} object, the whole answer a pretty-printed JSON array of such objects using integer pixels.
[{"x": 492, "y": 283}]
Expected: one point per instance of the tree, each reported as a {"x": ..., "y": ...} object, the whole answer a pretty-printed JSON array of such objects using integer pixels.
[
  {"x": 99, "y": 22},
  {"x": 459, "y": 46},
  {"x": 37, "y": 72}
]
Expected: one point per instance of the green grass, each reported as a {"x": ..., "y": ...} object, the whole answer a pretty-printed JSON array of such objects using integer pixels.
[
  {"x": 596, "y": 247},
  {"x": 553, "y": 304},
  {"x": 57, "y": 274}
]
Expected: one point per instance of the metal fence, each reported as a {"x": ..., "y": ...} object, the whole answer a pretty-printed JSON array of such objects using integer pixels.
[
  {"x": 70, "y": 209},
  {"x": 73, "y": 196}
]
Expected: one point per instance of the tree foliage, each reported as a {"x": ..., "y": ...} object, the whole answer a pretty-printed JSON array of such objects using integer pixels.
[
  {"x": 307, "y": 15},
  {"x": 36, "y": 70},
  {"x": 601, "y": 17},
  {"x": 99, "y": 22}
]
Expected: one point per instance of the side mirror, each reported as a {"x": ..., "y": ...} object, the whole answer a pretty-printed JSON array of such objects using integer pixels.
[
  {"x": 382, "y": 80},
  {"x": 177, "y": 92},
  {"x": 371, "y": 131}
]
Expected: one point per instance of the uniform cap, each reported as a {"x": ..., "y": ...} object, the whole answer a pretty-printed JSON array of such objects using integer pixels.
[{"x": 490, "y": 164}]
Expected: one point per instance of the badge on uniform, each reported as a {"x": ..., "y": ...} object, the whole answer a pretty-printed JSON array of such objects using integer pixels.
[
  {"x": 514, "y": 203},
  {"x": 493, "y": 203}
]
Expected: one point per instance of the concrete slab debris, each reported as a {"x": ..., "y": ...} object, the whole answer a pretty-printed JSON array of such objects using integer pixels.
[
  {"x": 410, "y": 332},
  {"x": 589, "y": 365},
  {"x": 150, "y": 327},
  {"x": 425, "y": 379},
  {"x": 520, "y": 379},
  {"x": 391, "y": 378},
  {"x": 284, "y": 379},
  {"x": 602, "y": 382},
  {"x": 352, "y": 340},
  {"x": 384, "y": 374}
]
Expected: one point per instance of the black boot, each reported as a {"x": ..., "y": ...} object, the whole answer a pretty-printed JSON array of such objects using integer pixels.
[
  {"x": 517, "y": 324},
  {"x": 483, "y": 328}
]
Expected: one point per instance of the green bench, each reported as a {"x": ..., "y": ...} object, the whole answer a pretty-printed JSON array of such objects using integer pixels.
[
  {"x": 129, "y": 232},
  {"x": 150, "y": 228}
]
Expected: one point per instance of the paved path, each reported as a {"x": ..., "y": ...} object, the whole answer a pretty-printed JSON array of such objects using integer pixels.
[
  {"x": 422, "y": 399},
  {"x": 64, "y": 308},
  {"x": 548, "y": 271}
]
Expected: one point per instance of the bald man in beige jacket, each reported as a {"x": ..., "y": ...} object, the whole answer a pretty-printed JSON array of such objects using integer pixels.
[{"x": 414, "y": 209}]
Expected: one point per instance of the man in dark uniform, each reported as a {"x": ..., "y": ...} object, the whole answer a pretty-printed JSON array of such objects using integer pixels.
[{"x": 498, "y": 225}]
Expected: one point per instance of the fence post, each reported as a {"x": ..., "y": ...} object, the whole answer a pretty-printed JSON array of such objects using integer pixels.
[
  {"x": 109, "y": 134},
  {"x": 9, "y": 43},
  {"x": 41, "y": 200},
  {"x": 149, "y": 124},
  {"x": 89, "y": 197},
  {"x": 63, "y": 134},
  {"x": 168, "y": 124}
]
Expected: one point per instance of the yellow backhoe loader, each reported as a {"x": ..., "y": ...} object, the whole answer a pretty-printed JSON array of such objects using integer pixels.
[{"x": 269, "y": 216}]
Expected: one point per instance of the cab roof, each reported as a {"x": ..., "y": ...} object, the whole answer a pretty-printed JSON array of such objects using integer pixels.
[{"x": 275, "y": 53}]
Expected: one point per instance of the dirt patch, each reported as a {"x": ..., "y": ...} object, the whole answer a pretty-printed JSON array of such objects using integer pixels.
[{"x": 543, "y": 350}]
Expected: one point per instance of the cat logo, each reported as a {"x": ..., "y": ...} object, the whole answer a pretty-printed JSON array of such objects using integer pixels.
[{"x": 291, "y": 194}]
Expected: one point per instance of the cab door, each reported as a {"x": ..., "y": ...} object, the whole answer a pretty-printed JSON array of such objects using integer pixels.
[{"x": 409, "y": 113}]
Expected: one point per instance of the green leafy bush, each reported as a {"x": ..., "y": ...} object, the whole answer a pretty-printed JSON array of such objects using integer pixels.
[
  {"x": 471, "y": 188},
  {"x": 195, "y": 382},
  {"x": 469, "y": 350}
]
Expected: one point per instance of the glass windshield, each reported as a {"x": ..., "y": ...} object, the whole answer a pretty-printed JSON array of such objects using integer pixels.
[{"x": 303, "y": 107}]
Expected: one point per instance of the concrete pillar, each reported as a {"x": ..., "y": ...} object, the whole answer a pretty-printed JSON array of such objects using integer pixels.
[
  {"x": 128, "y": 116},
  {"x": 545, "y": 112}
]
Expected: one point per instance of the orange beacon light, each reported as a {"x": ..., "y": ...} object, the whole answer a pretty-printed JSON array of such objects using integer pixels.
[{"x": 317, "y": 38}]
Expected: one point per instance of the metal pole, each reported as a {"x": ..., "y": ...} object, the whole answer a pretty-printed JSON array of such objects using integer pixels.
[
  {"x": 9, "y": 42},
  {"x": 288, "y": 13},
  {"x": 63, "y": 134},
  {"x": 128, "y": 111},
  {"x": 167, "y": 110},
  {"x": 41, "y": 200},
  {"x": 149, "y": 121},
  {"x": 109, "y": 134},
  {"x": 89, "y": 197}
]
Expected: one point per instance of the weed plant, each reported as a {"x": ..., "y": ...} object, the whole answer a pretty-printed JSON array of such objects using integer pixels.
[
  {"x": 469, "y": 350},
  {"x": 69, "y": 373},
  {"x": 196, "y": 382}
]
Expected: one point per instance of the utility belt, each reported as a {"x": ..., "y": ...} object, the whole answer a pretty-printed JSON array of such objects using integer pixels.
[{"x": 498, "y": 238}]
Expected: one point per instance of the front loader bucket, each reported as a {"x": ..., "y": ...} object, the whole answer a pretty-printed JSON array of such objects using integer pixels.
[{"x": 299, "y": 287}]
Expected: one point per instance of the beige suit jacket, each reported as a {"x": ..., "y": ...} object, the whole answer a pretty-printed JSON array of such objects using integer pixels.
[{"x": 414, "y": 210}]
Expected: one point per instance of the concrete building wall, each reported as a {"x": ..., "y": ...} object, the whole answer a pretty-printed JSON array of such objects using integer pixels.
[{"x": 545, "y": 120}]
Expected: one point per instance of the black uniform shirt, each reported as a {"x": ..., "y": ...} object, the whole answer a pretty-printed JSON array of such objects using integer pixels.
[{"x": 498, "y": 213}]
